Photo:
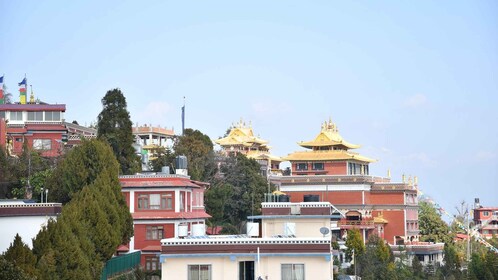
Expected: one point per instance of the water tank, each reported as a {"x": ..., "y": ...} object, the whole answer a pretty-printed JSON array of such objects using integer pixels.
[
  {"x": 252, "y": 229},
  {"x": 289, "y": 228},
  {"x": 283, "y": 198},
  {"x": 165, "y": 169},
  {"x": 182, "y": 230},
  {"x": 181, "y": 162},
  {"x": 311, "y": 198},
  {"x": 198, "y": 230}
]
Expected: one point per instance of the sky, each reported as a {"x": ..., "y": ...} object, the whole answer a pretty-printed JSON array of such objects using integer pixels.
[{"x": 415, "y": 83}]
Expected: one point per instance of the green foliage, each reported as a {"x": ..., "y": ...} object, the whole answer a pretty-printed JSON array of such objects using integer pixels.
[
  {"x": 21, "y": 256},
  {"x": 114, "y": 126},
  {"x": 452, "y": 262},
  {"x": 164, "y": 157},
  {"x": 198, "y": 149},
  {"x": 80, "y": 167},
  {"x": 432, "y": 227},
  {"x": 10, "y": 271},
  {"x": 417, "y": 268},
  {"x": 94, "y": 220},
  {"x": 375, "y": 262},
  {"x": 354, "y": 241},
  {"x": 238, "y": 193}
]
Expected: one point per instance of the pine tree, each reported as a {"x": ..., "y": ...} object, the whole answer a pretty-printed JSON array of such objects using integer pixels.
[
  {"x": 21, "y": 256},
  {"x": 115, "y": 127}
]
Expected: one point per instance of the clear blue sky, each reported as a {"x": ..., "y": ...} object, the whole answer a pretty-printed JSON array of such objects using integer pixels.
[{"x": 415, "y": 83}]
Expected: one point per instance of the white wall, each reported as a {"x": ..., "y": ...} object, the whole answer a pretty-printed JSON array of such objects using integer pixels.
[{"x": 27, "y": 227}]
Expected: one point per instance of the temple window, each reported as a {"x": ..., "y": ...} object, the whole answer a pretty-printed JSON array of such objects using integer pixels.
[
  {"x": 52, "y": 116},
  {"x": 16, "y": 116},
  {"x": 301, "y": 166},
  {"x": 35, "y": 116},
  {"x": 318, "y": 166}
]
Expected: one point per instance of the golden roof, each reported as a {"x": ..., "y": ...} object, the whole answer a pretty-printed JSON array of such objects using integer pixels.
[
  {"x": 240, "y": 134},
  {"x": 380, "y": 220},
  {"x": 329, "y": 136},
  {"x": 327, "y": 155},
  {"x": 263, "y": 155}
]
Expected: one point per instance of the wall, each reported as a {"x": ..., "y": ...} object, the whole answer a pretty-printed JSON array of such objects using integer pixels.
[
  {"x": 222, "y": 268},
  {"x": 334, "y": 197},
  {"x": 27, "y": 227},
  {"x": 140, "y": 232},
  {"x": 304, "y": 227},
  {"x": 384, "y": 198}
]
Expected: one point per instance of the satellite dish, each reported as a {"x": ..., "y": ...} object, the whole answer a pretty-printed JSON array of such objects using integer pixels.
[{"x": 324, "y": 231}]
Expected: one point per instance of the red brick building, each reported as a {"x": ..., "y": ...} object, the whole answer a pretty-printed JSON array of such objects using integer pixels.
[
  {"x": 486, "y": 220},
  {"x": 330, "y": 171},
  {"x": 40, "y": 125},
  {"x": 162, "y": 206}
]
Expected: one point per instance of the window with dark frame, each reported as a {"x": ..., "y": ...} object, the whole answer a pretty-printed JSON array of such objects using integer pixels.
[
  {"x": 154, "y": 233},
  {"x": 318, "y": 166},
  {"x": 152, "y": 263},
  {"x": 301, "y": 166},
  {"x": 143, "y": 201}
]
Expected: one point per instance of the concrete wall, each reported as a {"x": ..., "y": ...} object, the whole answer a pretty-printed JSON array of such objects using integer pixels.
[
  {"x": 27, "y": 227},
  {"x": 222, "y": 268},
  {"x": 304, "y": 227}
]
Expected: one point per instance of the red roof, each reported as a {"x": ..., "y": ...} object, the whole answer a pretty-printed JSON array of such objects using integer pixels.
[
  {"x": 152, "y": 248},
  {"x": 146, "y": 215},
  {"x": 33, "y": 107},
  {"x": 123, "y": 248},
  {"x": 145, "y": 181}
]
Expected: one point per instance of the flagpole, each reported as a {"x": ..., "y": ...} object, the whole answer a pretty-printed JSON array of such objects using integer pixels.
[{"x": 183, "y": 117}]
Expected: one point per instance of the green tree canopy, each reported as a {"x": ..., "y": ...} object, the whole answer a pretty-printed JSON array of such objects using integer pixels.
[
  {"x": 238, "y": 193},
  {"x": 21, "y": 256},
  {"x": 432, "y": 227},
  {"x": 114, "y": 126},
  {"x": 354, "y": 242},
  {"x": 198, "y": 149}
]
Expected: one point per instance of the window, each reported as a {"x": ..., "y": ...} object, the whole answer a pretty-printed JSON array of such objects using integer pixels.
[
  {"x": 246, "y": 270},
  {"x": 35, "y": 116},
  {"x": 143, "y": 201},
  {"x": 318, "y": 166},
  {"x": 42, "y": 144},
  {"x": 155, "y": 201},
  {"x": 182, "y": 201},
  {"x": 52, "y": 116},
  {"x": 16, "y": 116},
  {"x": 301, "y": 166},
  {"x": 2, "y": 115},
  {"x": 199, "y": 272},
  {"x": 166, "y": 201},
  {"x": 486, "y": 213},
  {"x": 292, "y": 271},
  {"x": 154, "y": 232},
  {"x": 152, "y": 263}
]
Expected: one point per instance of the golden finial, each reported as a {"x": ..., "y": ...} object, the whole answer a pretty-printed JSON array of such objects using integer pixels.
[
  {"x": 403, "y": 178},
  {"x": 32, "y": 96},
  {"x": 415, "y": 180},
  {"x": 388, "y": 173},
  {"x": 410, "y": 182}
]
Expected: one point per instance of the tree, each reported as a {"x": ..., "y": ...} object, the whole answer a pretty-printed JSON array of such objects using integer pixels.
[
  {"x": 376, "y": 261},
  {"x": 12, "y": 272},
  {"x": 452, "y": 262},
  {"x": 114, "y": 126},
  {"x": 432, "y": 227},
  {"x": 354, "y": 242},
  {"x": 238, "y": 193},
  {"x": 164, "y": 157},
  {"x": 94, "y": 220},
  {"x": 21, "y": 256},
  {"x": 80, "y": 167},
  {"x": 198, "y": 149}
]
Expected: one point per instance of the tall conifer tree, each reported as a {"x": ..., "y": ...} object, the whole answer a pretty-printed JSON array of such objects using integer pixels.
[{"x": 114, "y": 126}]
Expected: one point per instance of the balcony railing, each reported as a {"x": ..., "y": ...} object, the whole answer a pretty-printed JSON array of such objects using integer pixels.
[{"x": 360, "y": 224}]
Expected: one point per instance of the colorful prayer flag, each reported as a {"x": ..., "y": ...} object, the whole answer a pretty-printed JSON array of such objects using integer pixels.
[{"x": 23, "y": 82}]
